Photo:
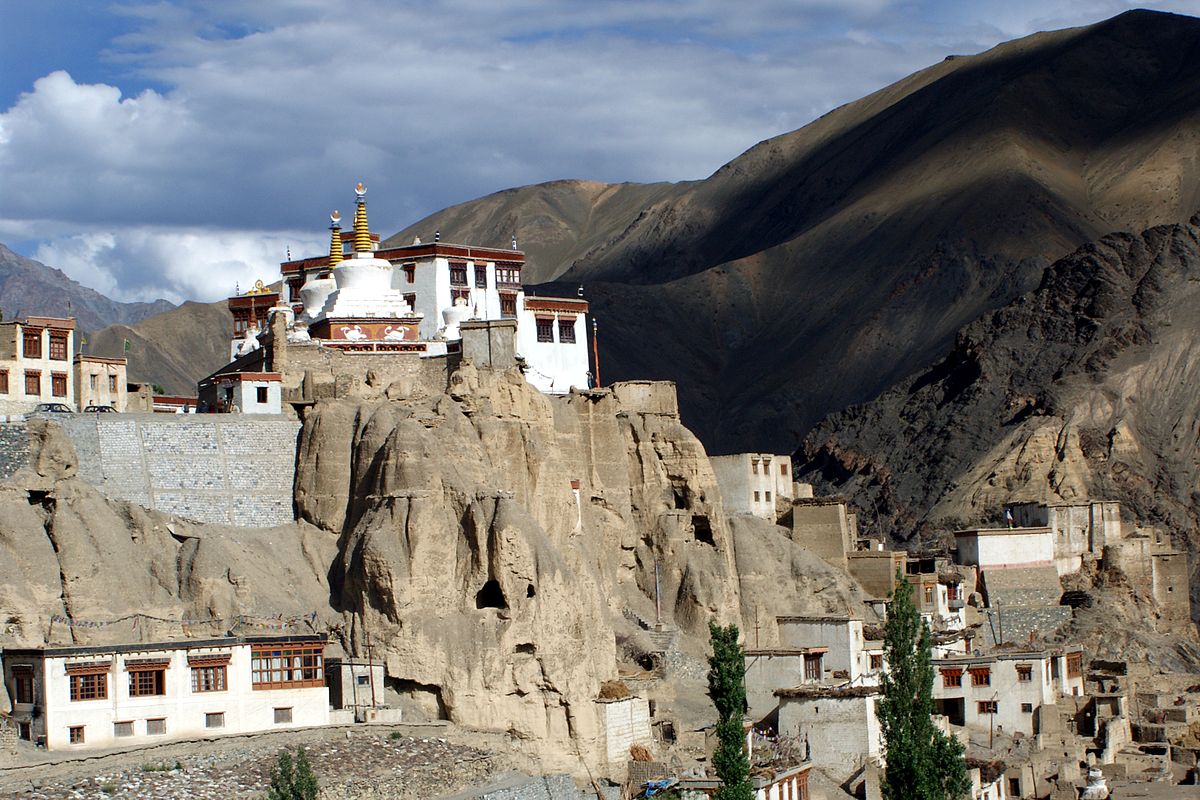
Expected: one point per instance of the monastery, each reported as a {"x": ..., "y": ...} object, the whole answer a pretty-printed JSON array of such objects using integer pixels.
[{"x": 392, "y": 313}]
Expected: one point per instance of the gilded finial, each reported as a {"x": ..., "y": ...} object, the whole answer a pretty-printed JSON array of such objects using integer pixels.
[
  {"x": 335, "y": 238},
  {"x": 362, "y": 233}
]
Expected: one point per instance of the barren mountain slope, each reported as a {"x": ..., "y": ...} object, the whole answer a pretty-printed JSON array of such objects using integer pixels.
[
  {"x": 30, "y": 287},
  {"x": 822, "y": 265},
  {"x": 174, "y": 349},
  {"x": 1086, "y": 387}
]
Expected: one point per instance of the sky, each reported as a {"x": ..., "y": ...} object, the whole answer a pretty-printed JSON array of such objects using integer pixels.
[{"x": 177, "y": 149}]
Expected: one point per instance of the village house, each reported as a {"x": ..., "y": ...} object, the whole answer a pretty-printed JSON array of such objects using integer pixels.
[
  {"x": 105, "y": 696},
  {"x": 759, "y": 484},
  {"x": 101, "y": 382},
  {"x": 839, "y": 725},
  {"x": 1077, "y": 528},
  {"x": 826, "y": 526},
  {"x": 35, "y": 363},
  {"x": 362, "y": 309},
  {"x": 1004, "y": 690}
]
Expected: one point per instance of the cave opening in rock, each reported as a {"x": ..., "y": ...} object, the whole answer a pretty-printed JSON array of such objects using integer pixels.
[
  {"x": 703, "y": 529},
  {"x": 420, "y": 702},
  {"x": 491, "y": 596},
  {"x": 679, "y": 493},
  {"x": 530, "y": 591},
  {"x": 527, "y": 648}
]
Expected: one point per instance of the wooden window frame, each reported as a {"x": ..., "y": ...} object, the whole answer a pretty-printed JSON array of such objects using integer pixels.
[
  {"x": 876, "y": 661},
  {"x": 112, "y": 383},
  {"x": 58, "y": 347},
  {"x": 411, "y": 299},
  {"x": 34, "y": 375},
  {"x": 987, "y": 706},
  {"x": 566, "y": 330},
  {"x": 544, "y": 327},
  {"x": 23, "y": 684},
  {"x": 952, "y": 678},
  {"x": 410, "y": 272},
  {"x": 981, "y": 676},
  {"x": 1024, "y": 673},
  {"x": 58, "y": 384},
  {"x": 1027, "y": 708},
  {"x": 150, "y": 723},
  {"x": 147, "y": 681},
  {"x": 508, "y": 305},
  {"x": 480, "y": 276},
  {"x": 287, "y": 710},
  {"x": 813, "y": 666},
  {"x": 75, "y": 734},
  {"x": 87, "y": 685},
  {"x": 31, "y": 344},
  {"x": 1074, "y": 665},
  {"x": 210, "y": 678},
  {"x": 262, "y": 395},
  {"x": 458, "y": 273},
  {"x": 293, "y": 666}
]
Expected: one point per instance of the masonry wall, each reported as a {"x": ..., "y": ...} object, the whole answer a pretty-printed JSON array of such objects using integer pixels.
[
  {"x": 227, "y": 469},
  {"x": 14, "y": 448},
  {"x": 843, "y": 733},
  {"x": 626, "y": 723},
  {"x": 875, "y": 570},
  {"x": 767, "y": 672},
  {"x": 824, "y": 528}
]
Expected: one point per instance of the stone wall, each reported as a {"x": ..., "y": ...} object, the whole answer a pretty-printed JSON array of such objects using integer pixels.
[
  {"x": 8, "y": 737},
  {"x": 549, "y": 787},
  {"x": 626, "y": 723},
  {"x": 227, "y": 469},
  {"x": 14, "y": 448}
]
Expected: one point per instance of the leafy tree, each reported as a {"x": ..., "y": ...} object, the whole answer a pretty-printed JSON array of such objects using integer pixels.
[
  {"x": 292, "y": 781},
  {"x": 727, "y": 688},
  {"x": 922, "y": 762}
]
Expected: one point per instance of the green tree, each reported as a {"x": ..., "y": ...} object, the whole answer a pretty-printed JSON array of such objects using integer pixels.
[
  {"x": 727, "y": 688},
  {"x": 292, "y": 781},
  {"x": 922, "y": 762}
]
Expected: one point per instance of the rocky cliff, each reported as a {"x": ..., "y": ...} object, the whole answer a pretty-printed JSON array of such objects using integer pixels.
[
  {"x": 495, "y": 546},
  {"x": 1085, "y": 387}
]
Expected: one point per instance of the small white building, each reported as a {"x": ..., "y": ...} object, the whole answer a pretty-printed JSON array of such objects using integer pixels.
[
  {"x": 113, "y": 695},
  {"x": 552, "y": 337},
  {"x": 754, "y": 483},
  {"x": 101, "y": 382},
  {"x": 839, "y": 724},
  {"x": 1002, "y": 691},
  {"x": 993, "y": 548},
  {"x": 244, "y": 392},
  {"x": 1078, "y": 528},
  {"x": 35, "y": 363},
  {"x": 846, "y": 654}
]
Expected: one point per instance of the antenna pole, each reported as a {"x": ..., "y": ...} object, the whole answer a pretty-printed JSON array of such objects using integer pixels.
[{"x": 596, "y": 350}]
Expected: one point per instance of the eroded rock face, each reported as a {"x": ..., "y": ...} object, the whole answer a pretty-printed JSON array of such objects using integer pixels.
[{"x": 491, "y": 536}]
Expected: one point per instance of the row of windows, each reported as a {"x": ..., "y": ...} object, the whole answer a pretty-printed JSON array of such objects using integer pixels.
[
  {"x": 509, "y": 276},
  {"x": 993, "y": 707},
  {"x": 952, "y": 678},
  {"x": 213, "y": 720},
  {"x": 31, "y": 345},
  {"x": 756, "y": 496},
  {"x": 270, "y": 668},
  {"x": 566, "y": 330},
  {"x": 33, "y": 383},
  {"x": 94, "y": 382},
  {"x": 783, "y": 468}
]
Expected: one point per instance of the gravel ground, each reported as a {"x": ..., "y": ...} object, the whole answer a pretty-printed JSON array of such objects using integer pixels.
[{"x": 348, "y": 762}]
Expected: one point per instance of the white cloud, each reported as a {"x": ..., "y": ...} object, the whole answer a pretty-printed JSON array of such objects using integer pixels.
[
  {"x": 267, "y": 113},
  {"x": 196, "y": 264}
]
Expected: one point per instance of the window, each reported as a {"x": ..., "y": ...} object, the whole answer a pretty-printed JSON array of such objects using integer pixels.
[
  {"x": 783, "y": 469},
  {"x": 363, "y": 680},
  {"x": 928, "y": 595},
  {"x": 1027, "y": 708},
  {"x": 480, "y": 276},
  {"x": 58, "y": 384},
  {"x": 58, "y": 347},
  {"x": 455, "y": 294},
  {"x": 411, "y": 299},
  {"x": 545, "y": 329},
  {"x": 89, "y": 685},
  {"x": 410, "y": 273},
  {"x": 877, "y": 662},
  {"x": 768, "y": 496},
  {"x": 458, "y": 274},
  {"x": 1024, "y": 673},
  {"x": 951, "y": 678},
  {"x": 25, "y": 731},
  {"x": 122, "y": 729},
  {"x": 508, "y": 276},
  {"x": 283, "y": 716},
  {"x": 981, "y": 677},
  {"x": 3, "y": 381},
  {"x": 209, "y": 678},
  {"x": 987, "y": 707},
  {"x": 756, "y": 497},
  {"x": 112, "y": 383},
  {"x": 147, "y": 681},
  {"x": 1074, "y": 665},
  {"x": 33, "y": 382},
  {"x": 215, "y": 720},
  {"x": 287, "y": 667},
  {"x": 508, "y": 305},
  {"x": 31, "y": 344},
  {"x": 75, "y": 734},
  {"x": 566, "y": 330},
  {"x": 754, "y": 467},
  {"x": 93, "y": 382},
  {"x": 22, "y": 684},
  {"x": 156, "y": 727},
  {"x": 812, "y": 666},
  {"x": 261, "y": 394}
]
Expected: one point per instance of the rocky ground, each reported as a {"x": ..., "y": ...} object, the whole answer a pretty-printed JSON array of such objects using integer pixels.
[{"x": 401, "y": 762}]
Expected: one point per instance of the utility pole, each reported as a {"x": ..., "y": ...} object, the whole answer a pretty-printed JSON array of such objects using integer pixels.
[
  {"x": 596, "y": 350},
  {"x": 657, "y": 595}
]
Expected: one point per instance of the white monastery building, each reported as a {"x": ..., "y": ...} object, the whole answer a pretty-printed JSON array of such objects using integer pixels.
[
  {"x": 753, "y": 483},
  {"x": 409, "y": 300},
  {"x": 106, "y": 696}
]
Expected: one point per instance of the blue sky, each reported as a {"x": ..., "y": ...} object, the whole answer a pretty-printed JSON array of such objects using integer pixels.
[{"x": 171, "y": 149}]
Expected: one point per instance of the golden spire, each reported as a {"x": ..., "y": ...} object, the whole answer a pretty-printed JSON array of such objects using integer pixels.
[
  {"x": 335, "y": 239},
  {"x": 362, "y": 233}
]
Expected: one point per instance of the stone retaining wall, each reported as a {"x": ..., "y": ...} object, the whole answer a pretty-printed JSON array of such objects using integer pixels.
[
  {"x": 228, "y": 469},
  {"x": 14, "y": 448}
]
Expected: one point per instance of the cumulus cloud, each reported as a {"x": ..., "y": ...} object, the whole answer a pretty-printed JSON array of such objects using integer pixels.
[{"x": 265, "y": 114}]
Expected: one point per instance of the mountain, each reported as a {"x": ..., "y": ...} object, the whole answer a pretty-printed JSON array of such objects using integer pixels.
[
  {"x": 30, "y": 287},
  {"x": 174, "y": 349},
  {"x": 821, "y": 266},
  {"x": 1086, "y": 387}
]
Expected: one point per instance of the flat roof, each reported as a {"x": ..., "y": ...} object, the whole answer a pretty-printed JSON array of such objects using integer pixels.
[
  {"x": 825, "y": 618},
  {"x": 1002, "y": 531},
  {"x": 819, "y": 692},
  {"x": 187, "y": 644}
]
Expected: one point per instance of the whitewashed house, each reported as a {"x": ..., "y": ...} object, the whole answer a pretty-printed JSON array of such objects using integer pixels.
[{"x": 113, "y": 695}]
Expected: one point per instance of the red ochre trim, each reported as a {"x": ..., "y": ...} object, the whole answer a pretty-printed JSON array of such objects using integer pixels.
[{"x": 507, "y": 258}]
